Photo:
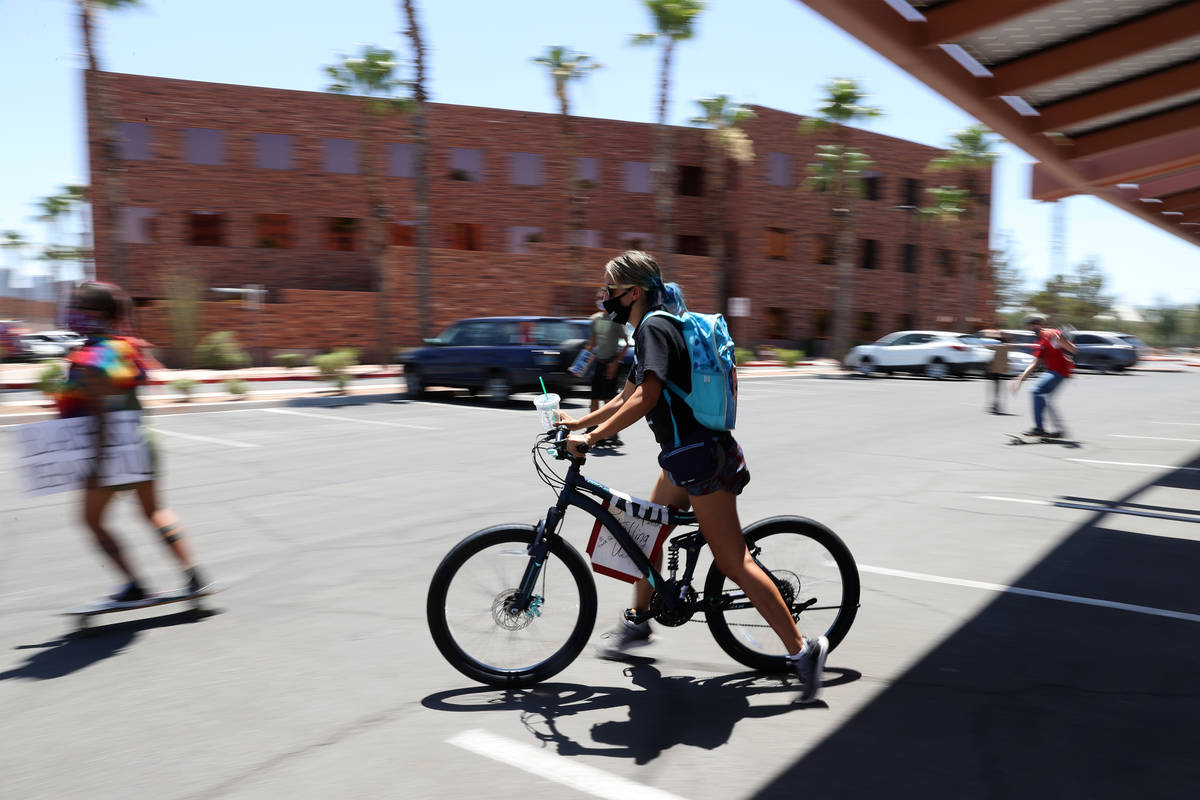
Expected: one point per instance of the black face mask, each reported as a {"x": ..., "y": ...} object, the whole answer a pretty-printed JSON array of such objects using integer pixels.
[{"x": 617, "y": 312}]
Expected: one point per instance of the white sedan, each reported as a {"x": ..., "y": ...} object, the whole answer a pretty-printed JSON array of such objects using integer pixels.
[{"x": 936, "y": 354}]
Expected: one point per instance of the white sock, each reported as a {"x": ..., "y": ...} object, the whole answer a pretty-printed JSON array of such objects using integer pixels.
[{"x": 803, "y": 652}]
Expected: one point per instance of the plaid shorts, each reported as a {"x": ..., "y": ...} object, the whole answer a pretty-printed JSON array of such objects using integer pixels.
[{"x": 732, "y": 477}]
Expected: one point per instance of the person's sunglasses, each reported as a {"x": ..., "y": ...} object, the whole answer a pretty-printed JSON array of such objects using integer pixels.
[{"x": 610, "y": 290}]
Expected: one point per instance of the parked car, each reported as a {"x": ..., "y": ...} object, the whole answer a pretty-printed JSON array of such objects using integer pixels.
[
  {"x": 1141, "y": 348},
  {"x": 497, "y": 356},
  {"x": 10, "y": 340},
  {"x": 69, "y": 339},
  {"x": 1022, "y": 339},
  {"x": 1103, "y": 351},
  {"x": 936, "y": 354}
]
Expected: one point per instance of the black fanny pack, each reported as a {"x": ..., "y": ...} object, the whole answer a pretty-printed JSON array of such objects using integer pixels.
[{"x": 696, "y": 459}]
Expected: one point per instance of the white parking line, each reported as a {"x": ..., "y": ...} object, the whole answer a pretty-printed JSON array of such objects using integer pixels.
[
  {"x": 1157, "y": 422},
  {"x": 1133, "y": 464},
  {"x": 209, "y": 439},
  {"x": 1155, "y": 438},
  {"x": 537, "y": 761},
  {"x": 292, "y": 413},
  {"x": 1065, "y": 598}
]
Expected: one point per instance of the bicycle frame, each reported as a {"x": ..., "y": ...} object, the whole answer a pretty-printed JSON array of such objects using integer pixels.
[{"x": 573, "y": 494}]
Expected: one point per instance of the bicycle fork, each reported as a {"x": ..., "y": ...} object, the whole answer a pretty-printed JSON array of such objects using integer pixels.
[{"x": 525, "y": 601}]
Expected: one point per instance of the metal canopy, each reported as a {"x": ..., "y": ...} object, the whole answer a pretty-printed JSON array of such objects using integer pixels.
[{"x": 1104, "y": 93}]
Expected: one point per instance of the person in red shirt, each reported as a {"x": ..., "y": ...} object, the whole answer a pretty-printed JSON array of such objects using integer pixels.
[{"x": 1050, "y": 352}]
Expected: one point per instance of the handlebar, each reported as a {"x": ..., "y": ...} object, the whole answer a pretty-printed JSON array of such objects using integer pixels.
[{"x": 558, "y": 437}]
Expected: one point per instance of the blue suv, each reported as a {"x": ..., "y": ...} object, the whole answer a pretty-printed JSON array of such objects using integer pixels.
[{"x": 496, "y": 356}]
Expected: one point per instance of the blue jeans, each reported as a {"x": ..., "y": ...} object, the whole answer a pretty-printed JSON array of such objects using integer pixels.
[{"x": 1041, "y": 398}]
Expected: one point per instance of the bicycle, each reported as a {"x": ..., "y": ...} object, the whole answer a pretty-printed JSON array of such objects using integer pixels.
[{"x": 492, "y": 622}]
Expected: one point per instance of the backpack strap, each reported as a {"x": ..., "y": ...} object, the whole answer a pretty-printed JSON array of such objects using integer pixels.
[{"x": 671, "y": 387}]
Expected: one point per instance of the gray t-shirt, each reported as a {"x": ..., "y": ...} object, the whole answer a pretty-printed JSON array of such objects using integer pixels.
[{"x": 607, "y": 335}]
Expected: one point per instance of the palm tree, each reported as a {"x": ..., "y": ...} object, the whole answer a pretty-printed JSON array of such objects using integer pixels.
[
  {"x": 99, "y": 99},
  {"x": 969, "y": 154},
  {"x": 13, "y": 243},
  {"x": 420, "y": 135},
  {"x": 673, "y": 23},
  {"x": 838, "y": 171},
  {"x": 370, "y": 76},
  {"x": 80, "y": 199},
  {"x": 565, "y": 66},
  {"x": 726, "y": 142}
]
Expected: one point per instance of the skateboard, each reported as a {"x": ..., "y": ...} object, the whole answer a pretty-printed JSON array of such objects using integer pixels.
[
  {"x": 84, "y": 613},
  {"x": 1025, "y": 438}
]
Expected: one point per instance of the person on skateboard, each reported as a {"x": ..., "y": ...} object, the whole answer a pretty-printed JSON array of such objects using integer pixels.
[
  {"x": 103, "y": 376},
  {"x": 1051, "y": 353}
]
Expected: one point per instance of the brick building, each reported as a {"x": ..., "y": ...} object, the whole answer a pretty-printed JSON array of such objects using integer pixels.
[{"x": 237, "y": 185}]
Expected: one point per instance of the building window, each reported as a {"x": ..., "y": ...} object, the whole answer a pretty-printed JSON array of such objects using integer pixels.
[
  {"x": 908, "y": 257},
  {"x": 587, "y": 172},
  {"x": 273, "y": 151},
  {"x": 912, "y": 192},
  {"x": 872, "y": 184},
  {"x": 777, "y": 323},
  {"x": 466, "y": 236},
  {"x": 867, "y": 251},
  {"x": 341, "y": 156},
  {"x": 206, "y": 229},
  {"x": 946, "y": 262},
  {"x": 137, "y": 225},
  {"x": 691, "y": 181},
  {"x": 273, "y": 231},
  {"x": 780, "y": 169},
  {"x": 135, "y": 140},
  {"x": 402, "y": 160},
  {"x": 341, "y": 233},
  {"x": 466, "y": 164},
  {"x": 637, "y": 241},
  {"x": 637, "y": 177},
  {"x": 867, "y": 323},
  {"x": 823, "y": 248},
  {"x": 520, "y": 236},
  {"x": 585, "y": 238},
  {"x": 525, "y": 169},
  {"x": 820, "y": 318},
  {"x": 401, "y": 233},
  {"x": 691, "y": 245},
  {"x": 204, "y": 146},
  {"x": 777, "y": 243}
]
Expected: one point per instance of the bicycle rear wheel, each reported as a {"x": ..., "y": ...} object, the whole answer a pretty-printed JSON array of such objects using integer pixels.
[
  {"x": 467, "y": 608},
  {"x": 816, "y": 575}
]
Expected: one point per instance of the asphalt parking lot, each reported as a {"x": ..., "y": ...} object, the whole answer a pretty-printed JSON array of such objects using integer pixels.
[{"x": 1028, "y": 621}]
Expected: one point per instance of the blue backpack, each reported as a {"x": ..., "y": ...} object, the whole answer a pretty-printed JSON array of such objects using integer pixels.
[{"x": 713, "y": 398}]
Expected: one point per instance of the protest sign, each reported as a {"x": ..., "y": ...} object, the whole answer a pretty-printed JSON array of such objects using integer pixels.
[{"x": 58, "y": 455}]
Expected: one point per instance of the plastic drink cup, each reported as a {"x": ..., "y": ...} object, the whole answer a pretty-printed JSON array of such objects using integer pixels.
[{"x": 547, "y": 406}]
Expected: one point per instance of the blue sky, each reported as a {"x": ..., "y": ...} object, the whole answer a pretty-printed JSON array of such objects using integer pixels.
[{"x": 771, "y": 52}]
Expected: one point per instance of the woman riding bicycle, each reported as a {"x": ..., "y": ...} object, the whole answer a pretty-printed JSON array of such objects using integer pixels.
[{"x": 634, "y": 287}]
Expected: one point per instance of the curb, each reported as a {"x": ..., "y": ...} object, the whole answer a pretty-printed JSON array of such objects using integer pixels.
[{"x": 30, "y": 384}]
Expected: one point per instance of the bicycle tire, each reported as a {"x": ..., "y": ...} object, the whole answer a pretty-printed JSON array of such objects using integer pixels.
[
  {"x": 746, "y": 637},
  {"x": 482, "y": 610}
]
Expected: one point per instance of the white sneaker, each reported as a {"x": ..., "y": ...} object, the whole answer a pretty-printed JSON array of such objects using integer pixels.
[
  {"x": 810, "y": 666},
  {"x": 625, "y": 637}
]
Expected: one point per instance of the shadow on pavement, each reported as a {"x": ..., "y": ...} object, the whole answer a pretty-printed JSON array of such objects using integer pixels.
[
  {"x": 664, "y": 711},
  {"x": 75, "y": 651},
  {"x": 1038, "y": 698}
]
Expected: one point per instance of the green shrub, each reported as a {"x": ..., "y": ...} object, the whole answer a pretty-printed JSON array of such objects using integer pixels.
[
  {"x": 789, "y": 357},
  {"x": 741, "y": 355},
  {"x": 220, "y": 350},
  {"x": 51, "y": 378},
  {"x": 184, "y": 386},
  {"x": 237, "y": 387},
  {"x": 332, "y": 366},
  {"x": 289, "y": 360}
]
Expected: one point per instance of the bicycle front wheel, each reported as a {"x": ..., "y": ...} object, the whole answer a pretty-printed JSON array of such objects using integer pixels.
[
  {"x": 470, "y": 616},
  {"x": 815, "y": 574}
]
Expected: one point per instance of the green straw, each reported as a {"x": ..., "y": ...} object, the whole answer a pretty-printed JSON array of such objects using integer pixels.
[{"x": 543, "y": 383}]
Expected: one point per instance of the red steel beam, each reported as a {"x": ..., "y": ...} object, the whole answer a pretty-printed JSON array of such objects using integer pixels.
[
  {"x": 953, "y": 22},
  {"x": 1149, "y": 89},
  {"x": 1152, "y": 31},
  {"x": 1179, "y": 120}
]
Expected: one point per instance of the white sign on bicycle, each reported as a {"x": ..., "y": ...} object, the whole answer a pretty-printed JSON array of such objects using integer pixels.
[{"x": 609, "y": 558}]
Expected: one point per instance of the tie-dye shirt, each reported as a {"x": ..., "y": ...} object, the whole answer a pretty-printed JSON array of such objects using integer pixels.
[{"x": 122, "y": 361}]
